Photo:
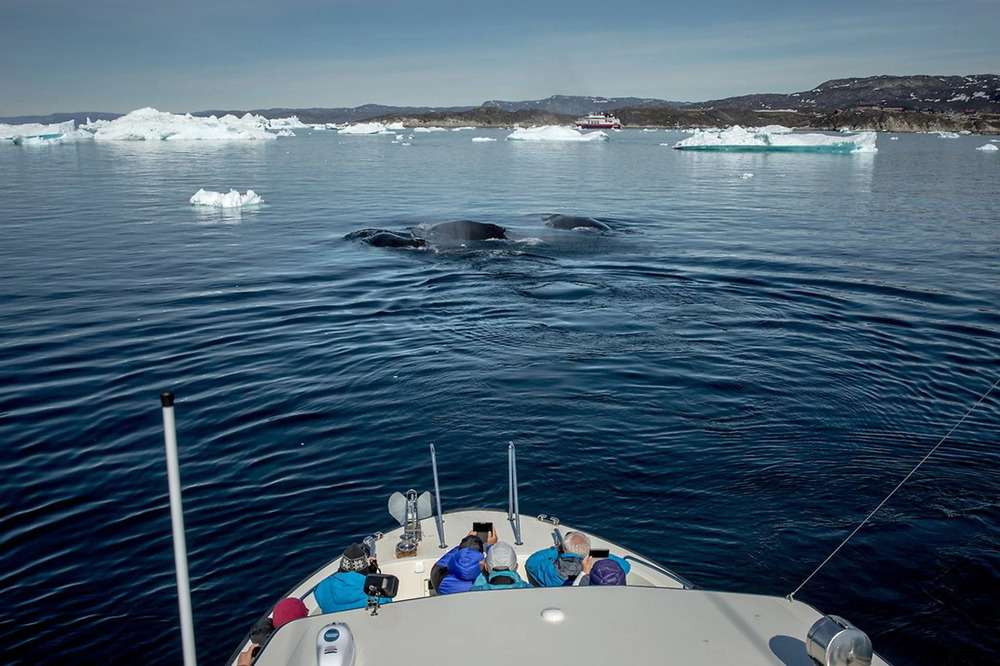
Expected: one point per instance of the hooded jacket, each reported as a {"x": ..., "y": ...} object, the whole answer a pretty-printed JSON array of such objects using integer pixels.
[
  {"x": 544, "y": 570},
  {"x": 343, "y": 590},
  {"x": 486, "y": 581},
  {"x": 462, "y": 566}
]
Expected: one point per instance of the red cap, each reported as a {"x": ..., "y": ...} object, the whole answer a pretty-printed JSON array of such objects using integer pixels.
[{"x": 287, "y": 610}]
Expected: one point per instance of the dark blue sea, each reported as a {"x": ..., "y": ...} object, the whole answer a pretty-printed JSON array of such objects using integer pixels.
[{"x": 728, "y": 382}]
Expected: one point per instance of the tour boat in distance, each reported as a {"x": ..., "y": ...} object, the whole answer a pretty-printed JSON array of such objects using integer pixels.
[{"x": 599, "y": 121}]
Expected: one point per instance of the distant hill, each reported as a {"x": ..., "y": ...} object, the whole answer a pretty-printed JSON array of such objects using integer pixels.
[
  {"x": 49, "y": 119},
  {"x": 976, "y": 94}
]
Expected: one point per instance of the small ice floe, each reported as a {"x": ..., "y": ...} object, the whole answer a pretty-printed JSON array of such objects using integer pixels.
[
  {"x": 988, "y": 148},
  {"x": 219, "y": 200},
  {"x": 555, "y": 133},
  {"x": 776, "y": 138},
  {"x": 648, "y": 129},
  {"x": 482, "y": 139},
  {"x": 947, "y": 135},
  {"x": 406, "y": 143},
  {"x": 148, "y": 124},
  {"x": 363, "y": 128},
  {"x": 428, "y": 129},
  {"x": 893, "y": 138},
  {"x": 285, "y": 132},
  {"x": 319, "y": 128},
  {"x": 745, "y": 176},
  {"x": 36, "y": 134},
  {"x": 461, "y": 129}
]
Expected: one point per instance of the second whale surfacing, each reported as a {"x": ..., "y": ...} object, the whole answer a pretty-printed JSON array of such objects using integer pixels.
[
  {"x": 385, "y": 238},
  {"x": 459, "y": 231},
  {"x": 575, "y": 222}
]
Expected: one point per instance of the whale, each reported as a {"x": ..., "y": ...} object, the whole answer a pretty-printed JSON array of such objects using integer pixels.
[
  {"x": 465, "y": 230},
  {"x": 385, "y": 238},
  {"x": 572, "y": 222}
]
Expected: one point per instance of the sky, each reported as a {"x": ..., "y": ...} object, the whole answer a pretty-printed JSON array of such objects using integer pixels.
[{"x": 187, "y": 55}]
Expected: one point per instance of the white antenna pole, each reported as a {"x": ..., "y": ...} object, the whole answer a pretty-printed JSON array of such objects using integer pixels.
[
  {"x": 177, "y": 522},
  {"x": 513, "y": 485}
]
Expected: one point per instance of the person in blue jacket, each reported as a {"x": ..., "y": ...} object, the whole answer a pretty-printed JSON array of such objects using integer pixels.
[
  {"x": 555, "y": 566},
  {"x": 345, "y": 589},
  {"x": 500, "y": 570},
  {"x": 458, "y": 569}
]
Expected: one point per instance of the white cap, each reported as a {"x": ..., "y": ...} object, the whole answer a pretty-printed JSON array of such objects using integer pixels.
[{"x": 501, "y": 556}]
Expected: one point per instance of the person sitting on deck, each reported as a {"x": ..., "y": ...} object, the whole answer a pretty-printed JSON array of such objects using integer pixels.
[
  {"x": 499, "y": 570},
  {"x": 457, "y": 570},
  {"x": 345, "y": 589},
  {"x": 602, "y": 572},
  {"x": 560, "y": 565},
  {"x": 285, "y": 611}
]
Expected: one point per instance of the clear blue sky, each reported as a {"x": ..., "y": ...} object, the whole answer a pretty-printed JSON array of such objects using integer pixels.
[{"x": 179, "y": 55}]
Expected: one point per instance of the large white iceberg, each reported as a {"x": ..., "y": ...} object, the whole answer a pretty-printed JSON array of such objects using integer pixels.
[
  {"x": 428, "y": 129},
  {"x": 482, "y": 139},
  {"x": 219, "y": 200},
  {"x": 554, "y": 133},
  {"x": 365, "y": 128},
  {"x": 38, "y": 134},
  {"x": 148, "y": 124},
  {"x": 988, "y": 147},
  {"x": 395, "y": 127},
  {"x": 291, "y": 122},
  {"x": 754, "y": 139}
]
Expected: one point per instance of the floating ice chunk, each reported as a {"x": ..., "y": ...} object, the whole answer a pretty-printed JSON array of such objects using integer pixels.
[
  {"x": 428, "y": 129},
  {"x": 291, "y": 122},
  {"x": 779, "y": 129},
  {"x": 648, "y": 129},
  {"x": 37, "y": 133},
  {"x": 285, "y": 132},
  {"x": 148, "y": 124},
  {"x": 395, "y": 127},
  {"x": 737, "y": 138},
  {"x": 461, "y": 129},
  {"x": 947, "y": 135},
  {"x": 893, "y": 138},
  {"x": 745, "y": 176},
  {"x": 319, "y": 128},
  {"x": 555, "y": 133},
  {"x": 482, "y": 139},
  {"x": 219, "y": 200},
  {"x": 363, "y": 128},
  {"x": 988, "y": 148}
]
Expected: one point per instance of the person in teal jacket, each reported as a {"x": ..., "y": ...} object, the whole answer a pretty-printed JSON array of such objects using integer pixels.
[
  {"x": 555, "y": 567},
  {"x": 345, "y": 589},
  {"x": 500, "y": 570}
]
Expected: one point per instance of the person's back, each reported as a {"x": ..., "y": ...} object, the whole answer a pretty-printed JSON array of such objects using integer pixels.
[
  {"x": 461, "y": 566},
  {"x": 345, "y": 589},
  {"x": 555, "y": 567},
  {"x": 500, "y": 570}
]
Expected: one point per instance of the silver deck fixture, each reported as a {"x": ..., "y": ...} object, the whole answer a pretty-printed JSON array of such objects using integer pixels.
[
  {"x": 833, "y": 641},
  {"x": 409, "y": 510},
  {"x": 335, "y": 645}
]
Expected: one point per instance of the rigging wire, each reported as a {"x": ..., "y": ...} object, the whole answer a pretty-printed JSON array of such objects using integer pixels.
[{"x": 898, "y": 486}]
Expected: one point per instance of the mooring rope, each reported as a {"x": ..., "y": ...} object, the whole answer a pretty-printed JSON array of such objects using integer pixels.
[{"x": 898, "y": 486}]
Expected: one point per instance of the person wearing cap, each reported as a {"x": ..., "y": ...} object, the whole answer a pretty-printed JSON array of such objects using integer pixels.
[
  {"x": 345, "y": 589},
  {"x": 499, "y": 570},
  {"x": 602, "y": 572},
  {"x": 284, "y": 612},
  {"x": 458, "y": 569},
  {"x": 562, "y": 565}
]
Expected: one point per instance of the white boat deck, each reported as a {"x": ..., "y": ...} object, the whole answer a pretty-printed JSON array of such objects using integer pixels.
[{"x": 655, "y": 619}]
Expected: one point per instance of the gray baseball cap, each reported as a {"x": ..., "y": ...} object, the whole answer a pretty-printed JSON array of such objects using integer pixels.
[{"x": 501, "y": 556}]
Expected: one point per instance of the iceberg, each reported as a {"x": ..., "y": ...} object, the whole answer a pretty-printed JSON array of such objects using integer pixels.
[
  {"x": 988, "y": 148},
  {"x": 428, "y": 129},
  {"x": 364, "y": 128},
  {"x": 482, "y": 139},
  {"x": 291, "y": 122},
  {"x": 395, "y": 127},
  {"x": 461, "y": 129},
  {"x": 284, "y": 132},
  {"x": 148, "y": 124},
  {"x": 219, "y": 200},
  {"x": 752, "y": 139},
  {"x": 35, "y": 134},
  {"x": 555, "y": 133},
  {"x": 947, "y": 135}
]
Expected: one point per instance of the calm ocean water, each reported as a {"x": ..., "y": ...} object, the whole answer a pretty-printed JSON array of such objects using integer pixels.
[{"x": 728, "y": 383}]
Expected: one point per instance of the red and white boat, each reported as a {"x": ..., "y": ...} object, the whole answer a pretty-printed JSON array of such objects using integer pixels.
[{"x": 599, "y": 121}]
